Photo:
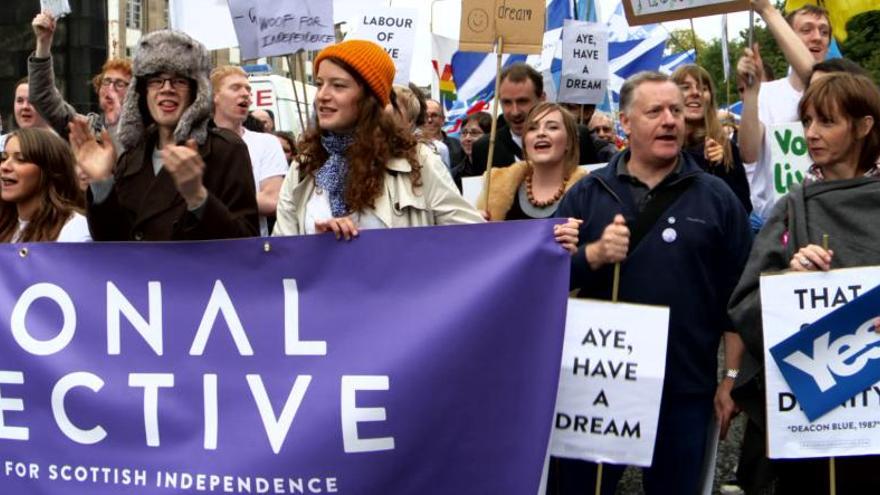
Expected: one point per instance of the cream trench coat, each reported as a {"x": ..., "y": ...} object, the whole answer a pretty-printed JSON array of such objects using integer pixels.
[{"x": 436, "y": 202}]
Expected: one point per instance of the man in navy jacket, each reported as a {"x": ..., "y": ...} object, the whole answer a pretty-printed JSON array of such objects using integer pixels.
[{"x": 689, "y": 259}]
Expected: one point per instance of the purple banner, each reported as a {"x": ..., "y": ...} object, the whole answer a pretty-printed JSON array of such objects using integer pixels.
[{"x": 408, "y": 361}]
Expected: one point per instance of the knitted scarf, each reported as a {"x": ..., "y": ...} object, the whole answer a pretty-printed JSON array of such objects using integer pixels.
[{"x": 331, "y": 176}]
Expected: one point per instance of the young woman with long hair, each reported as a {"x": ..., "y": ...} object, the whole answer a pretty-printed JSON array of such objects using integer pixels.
[
  {"x": 705, "y": 139},
  {"x": 534, "y": 187},
  {"x": 360, "y": 168},
  {"x": 41, "y": 199}
]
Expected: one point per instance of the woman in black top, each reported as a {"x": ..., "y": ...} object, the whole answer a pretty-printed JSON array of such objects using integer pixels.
[{"x": 705, "y": 140}]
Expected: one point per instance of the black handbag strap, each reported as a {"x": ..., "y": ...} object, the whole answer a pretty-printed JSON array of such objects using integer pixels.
[{"x": 654, "y": 208}]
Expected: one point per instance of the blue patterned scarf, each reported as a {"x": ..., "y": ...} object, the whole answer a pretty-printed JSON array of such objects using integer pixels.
[{"x": 331, "y": 176}]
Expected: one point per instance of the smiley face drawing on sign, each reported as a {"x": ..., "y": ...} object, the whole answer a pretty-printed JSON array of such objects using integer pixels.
[{"x": 478, "y": 20}]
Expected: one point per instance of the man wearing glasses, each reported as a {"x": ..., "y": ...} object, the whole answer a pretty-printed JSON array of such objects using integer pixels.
[
  {"x": 110, "y": 85},
  {"x": 175, "y": 179}
]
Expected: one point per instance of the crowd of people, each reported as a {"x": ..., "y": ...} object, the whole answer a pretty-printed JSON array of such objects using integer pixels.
[{"x": 684, "y": 208}]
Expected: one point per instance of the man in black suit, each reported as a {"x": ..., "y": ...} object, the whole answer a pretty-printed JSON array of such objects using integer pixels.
[{"x": 522, "y": 87}]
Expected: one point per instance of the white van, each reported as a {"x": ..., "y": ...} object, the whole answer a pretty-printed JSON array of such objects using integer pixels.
[{"x": 275, "y": 93}]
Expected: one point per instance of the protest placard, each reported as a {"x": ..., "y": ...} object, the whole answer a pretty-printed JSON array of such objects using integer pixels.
[
  {"x": 651, "y": 11},
  {"x": 58, "y": 8},
  {"x": 789, "y": 155},
  {"x": 830, "y": 361},
  {"x": 520, "y": 23},
  {"x": 283, "y": 365},
  {"x": 209, "y": 21},
  {"x": 584, "y": 62},
  {"x": 244, "y": 21},
  {"x": 394, "y": 29},
  {"x": 613, "y": 365},
  {"x": 799, "y": 299},
  {"x": 268, "y": 28}
]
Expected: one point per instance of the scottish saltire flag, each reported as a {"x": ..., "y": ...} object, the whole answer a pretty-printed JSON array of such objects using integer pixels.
[
  {"x": 676, "y": 60},
  {"x": 631, "y": 50},
  {"x": 620, "y": 30},
  {"x": 626, "y": 58}
]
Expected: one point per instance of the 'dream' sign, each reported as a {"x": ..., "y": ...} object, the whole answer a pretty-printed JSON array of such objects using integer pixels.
[
  {"x": 282, "y": 365},
  {"x": 799, "y": 299},
  {"x": 520, "y": 24},
  {"x": 613, "y": 366},
  {"x": 584, "y": 63}
]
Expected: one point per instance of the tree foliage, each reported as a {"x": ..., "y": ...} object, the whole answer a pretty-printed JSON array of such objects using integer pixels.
[{"x": 863, "y": 42}]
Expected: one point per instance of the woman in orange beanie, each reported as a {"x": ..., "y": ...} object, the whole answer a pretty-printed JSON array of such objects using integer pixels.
[{"x": 359, "y": 168}]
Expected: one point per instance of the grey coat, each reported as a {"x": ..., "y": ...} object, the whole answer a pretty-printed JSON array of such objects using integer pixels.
[
  {"x": 47, "y": 100},
  {"x": 846, "y": 210}
]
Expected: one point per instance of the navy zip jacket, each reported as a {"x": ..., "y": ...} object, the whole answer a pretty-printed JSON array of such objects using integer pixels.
[{"x": 690, "y": 260}]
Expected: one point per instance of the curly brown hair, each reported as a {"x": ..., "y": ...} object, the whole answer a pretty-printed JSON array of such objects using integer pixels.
[
  {"x": 377, "y": 139},
  {"x": 60, "y": 192}
]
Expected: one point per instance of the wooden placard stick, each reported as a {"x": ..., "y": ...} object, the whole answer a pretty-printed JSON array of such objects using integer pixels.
[
  {"x": 291, "y": 69},
  {"x": 302, "y": 73},
  {"x": 494, "y": 131}
]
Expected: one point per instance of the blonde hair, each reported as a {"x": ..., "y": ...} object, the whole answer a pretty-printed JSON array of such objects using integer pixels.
[
  {"x": 407, "y": 103},
  {"x": 221, "y": 72},
  {"x": 572, "y": 144},
  {"x": 711, "y": 126}
]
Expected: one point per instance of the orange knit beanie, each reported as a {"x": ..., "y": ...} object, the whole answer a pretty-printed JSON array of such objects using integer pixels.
[{"x": 369, "y": 60}]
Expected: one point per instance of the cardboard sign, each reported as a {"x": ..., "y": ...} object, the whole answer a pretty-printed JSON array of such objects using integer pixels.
[
  {"x": 520, "y": 23},
  {"x": 799, "y": 299},
  {"x": 613, "y": 366},
  {"x": 834, "y": 358},
  {"x": 788, "y": 151},
  {"x": 584, "y": 63},
  {"x": 268, "y": 28},
  {"x": 394, "y": 29},
  {"x": 58, "y": 8},
  {"x": 650, "y": 11}
]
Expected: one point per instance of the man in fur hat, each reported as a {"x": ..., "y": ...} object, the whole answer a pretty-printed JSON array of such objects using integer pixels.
[{"x": 175, "y": 179}]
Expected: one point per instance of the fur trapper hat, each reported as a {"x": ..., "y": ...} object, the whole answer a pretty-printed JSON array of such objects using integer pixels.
[{"x": 176, "y": 53}]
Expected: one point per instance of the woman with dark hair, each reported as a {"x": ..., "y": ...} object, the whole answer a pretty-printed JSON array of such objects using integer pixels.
[
  {"x": 360, "y": 168},
  {"x": 534, "y": 187},
  {"x": 288, "y": 144},
  {"x": 841, "y": 198},
  {"x": 475, "y": 126},
  {"x": 41, "y": 200},
  {"x": 705, "y": 139}
]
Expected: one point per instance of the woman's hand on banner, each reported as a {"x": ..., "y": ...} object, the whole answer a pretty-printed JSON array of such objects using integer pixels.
[
  {"x": 566, "y": 234},
  {"x": 342, "y": 227}
]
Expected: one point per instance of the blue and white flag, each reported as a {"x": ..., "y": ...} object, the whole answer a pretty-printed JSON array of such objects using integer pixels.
[{"x": 676, "y": 60}]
